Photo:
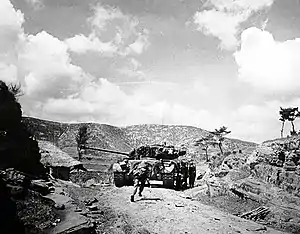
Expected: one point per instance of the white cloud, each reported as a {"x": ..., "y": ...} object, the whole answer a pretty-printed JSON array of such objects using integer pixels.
[
  {"x": 36, "y": 4},
  {"x": 140, "y": 44},
  {"x": 8, "y": 73},
  {"x": 112, "y": 32},
  {"x": 58, "y": 89},
  {"x": 81, "y": 44},
  {"x": 96, "y": 103},
  {"x": 11, "y": 21},
  {"x": 224, "y": 18},
  {"x": 11, "y": 33},
  {"x": 267, "y": 64},
  {"x": 47, "y": 67}
]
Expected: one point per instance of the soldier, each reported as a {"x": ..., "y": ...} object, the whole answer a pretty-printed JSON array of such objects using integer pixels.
[
  {"x": 126, "y": 168},
  {"x": 125, "y": 165},
  {"x": 185, "y": 174},
  {"x": 178, "y": 175},
  {"x": 192, "y": 174},
  {"x": 141, "y": 174}
]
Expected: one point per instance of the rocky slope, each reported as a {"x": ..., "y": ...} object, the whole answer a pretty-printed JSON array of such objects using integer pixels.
[
  {"x": 126, "y": 138},
  {"x": 264, "y": 183}
]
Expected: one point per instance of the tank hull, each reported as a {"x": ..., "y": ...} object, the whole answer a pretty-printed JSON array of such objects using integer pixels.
[{"x": 164, "y": 171}]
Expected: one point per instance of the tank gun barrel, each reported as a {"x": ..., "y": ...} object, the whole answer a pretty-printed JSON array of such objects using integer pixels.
[{"x": 105, "y": 150}]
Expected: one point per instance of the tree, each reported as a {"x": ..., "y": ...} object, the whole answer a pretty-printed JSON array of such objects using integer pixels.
[
  {"x": 15, "y": 89},
  {"x": 10, "y": 108},
  {"x": 288, "y": 114},
  {"x": 220, "y": 136},
  {"x": 204, "y": 143},
  {"x": 20, "y": 150},
  {"x": 81, "y": 139}
]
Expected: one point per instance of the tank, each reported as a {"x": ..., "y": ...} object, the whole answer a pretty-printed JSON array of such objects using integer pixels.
[{"x": 166, "y": 161}]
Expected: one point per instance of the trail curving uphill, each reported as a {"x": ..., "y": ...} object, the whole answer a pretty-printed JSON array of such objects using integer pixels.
[{"x": 168, "y": 211}]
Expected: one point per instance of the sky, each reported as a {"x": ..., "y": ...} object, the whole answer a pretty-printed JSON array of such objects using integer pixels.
[{"x": 203, "y": 63}]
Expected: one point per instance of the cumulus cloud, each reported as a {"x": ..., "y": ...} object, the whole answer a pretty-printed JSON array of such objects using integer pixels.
[
  {"x": 112, "y": 32},
  {"x": 11, "y": 32},
  {"x": 81, "y": 44},
  {"x": 267, "y": 64},
  {"x": 96, "y": 103},
  {"x": 224, "y": 17},
  {"x": 55, "y": 88},
  {"x": 58, "y": 89},
  {"x": 47, "y": 67},
  {"x": 11, "y": 35}
]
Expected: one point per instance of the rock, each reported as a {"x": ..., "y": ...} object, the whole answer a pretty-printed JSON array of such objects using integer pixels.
[
  {"x": 60, "y": 206},
  {"x": 179, "y": 205},
  {"x": 61, "y": 202},
  {"x": 40, "y": 186},
  {"x": 90, "y": 183},
  {"x": 91, "y": 201},
  {"x": 9, "y": 222},
  {"x": 92, "y": 207},
  {"x": 260, "y": 229}
]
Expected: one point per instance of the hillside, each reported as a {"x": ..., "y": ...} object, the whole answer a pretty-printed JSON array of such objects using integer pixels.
[
  {"x": 126, "y": 138},
  {"x": 131, "y": 136}
]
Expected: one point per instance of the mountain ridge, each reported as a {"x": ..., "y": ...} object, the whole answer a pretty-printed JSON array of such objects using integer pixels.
[{"x": 125, "y": 139}]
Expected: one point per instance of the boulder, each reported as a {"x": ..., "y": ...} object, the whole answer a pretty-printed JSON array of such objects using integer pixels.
[{"x": 40, "y": 186}]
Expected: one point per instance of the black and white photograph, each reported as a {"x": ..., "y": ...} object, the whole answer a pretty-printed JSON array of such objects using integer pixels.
[{"x": 149, "y": 116}]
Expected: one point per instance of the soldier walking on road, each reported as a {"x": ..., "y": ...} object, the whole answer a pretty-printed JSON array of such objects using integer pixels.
[{"x": 141, "y": 174}]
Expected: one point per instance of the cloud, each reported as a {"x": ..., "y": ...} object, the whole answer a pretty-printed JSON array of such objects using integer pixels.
[
  {"x": 96, "y": 103},
  {"x": 81, "y": 44},
  {"x": 47, "y": 67},
  {"x": 11, "y": 33},
  {"x": 11, "y": 30},
  {"x": 57, "y": 88},
  {"x": 267, "y": 64},
  {"x": 224, "y": 17},
  {"x": 36, "y": 4},
  {"x": 8, "y": 73},
  {"x": 112, "y": 32}
]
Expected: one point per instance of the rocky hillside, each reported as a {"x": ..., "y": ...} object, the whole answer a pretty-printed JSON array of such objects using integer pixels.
[{"x": 126, "y": 138}]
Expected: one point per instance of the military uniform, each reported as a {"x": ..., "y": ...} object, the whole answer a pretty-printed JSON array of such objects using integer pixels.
[
  {"x": 185, "y": 174},
  {"x": 125, "y": 168},
  {"x": 141, "y": 174},
  {"x": 192, "y": 175}
]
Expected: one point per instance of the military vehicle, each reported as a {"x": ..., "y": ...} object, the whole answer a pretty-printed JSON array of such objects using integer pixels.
[{"x": 165, "y": 160}]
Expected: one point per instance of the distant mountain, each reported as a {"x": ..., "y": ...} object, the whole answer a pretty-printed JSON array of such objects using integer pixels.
[{"x": 126, "y": 138}]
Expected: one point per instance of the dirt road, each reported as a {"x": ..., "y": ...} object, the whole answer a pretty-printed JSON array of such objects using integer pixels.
[{"x": 168, "y": 211}]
